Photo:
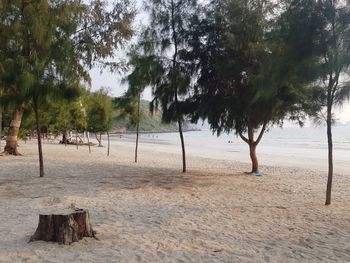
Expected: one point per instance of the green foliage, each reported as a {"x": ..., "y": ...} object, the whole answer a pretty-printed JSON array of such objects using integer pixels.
[
  {"x": 240, "y": 63},
  {"x": 150, "y": 122},
  {"x": 47, "y": 47},
  {"x": 162, "y": 43},
  {"x": 127, "y": 109},
  {"x": 99, "y": 114}
]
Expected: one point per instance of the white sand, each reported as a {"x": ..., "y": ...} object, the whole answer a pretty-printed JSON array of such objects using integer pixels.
[{"x": 151, "y": 212}]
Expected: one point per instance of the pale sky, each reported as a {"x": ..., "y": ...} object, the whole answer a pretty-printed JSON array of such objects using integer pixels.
[
  {"x": 117, "y": 89},
  {"x": 113, "y": 81}
]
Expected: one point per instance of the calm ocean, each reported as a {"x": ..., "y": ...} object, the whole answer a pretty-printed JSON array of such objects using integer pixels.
[{"x": 294, "y": 146}]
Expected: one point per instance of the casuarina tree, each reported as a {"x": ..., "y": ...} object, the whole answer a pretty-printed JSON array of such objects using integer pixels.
[
  {"x": 331, "y": 41},
  {"x": 164, "y": 41},
  {"x": 99, "y": 113},
  {"x": 240, "y": 84},
  {"x": 52, "y": 44},
  {"x": 145, "y": 71},
  {"x": 319, "y": 33}
]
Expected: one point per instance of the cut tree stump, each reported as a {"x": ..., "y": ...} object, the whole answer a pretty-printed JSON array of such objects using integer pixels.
[{"x": 64, "y": 228}]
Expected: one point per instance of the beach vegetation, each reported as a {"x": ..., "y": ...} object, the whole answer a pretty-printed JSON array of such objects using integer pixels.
[{"x": 49, "y": 46}]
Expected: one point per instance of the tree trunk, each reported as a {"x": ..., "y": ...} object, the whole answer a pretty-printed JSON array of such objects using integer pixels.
[
  {"x": 137, "y": 127},
  {"x": 64, "y": 228},
  {"x": 0, "y": 129},
  {"x": 254, "y": 158},
  {"x": 11, "y": 139},
  {"x": 183, "y": 147},
  {"x": 253, "y": 144},
  {"x": 88, "y": 139},
  {"x": 108, "y": 143},
  {"x": 137, "y": 142},
  {"x": 76, "y": 139},
  {"x": 99, "y": 139},
  {"x": 330, "y": 157},
  {"x": 64, "y": 138},
  {"x": 38, "y": 131}
]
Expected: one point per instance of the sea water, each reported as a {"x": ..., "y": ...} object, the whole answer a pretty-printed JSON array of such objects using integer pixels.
[{"x": 291, "y": 146}]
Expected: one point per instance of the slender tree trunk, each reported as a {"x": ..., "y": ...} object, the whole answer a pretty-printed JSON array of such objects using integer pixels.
[
  {"x": 88, "y": 139},
  {"x": 330, "y": 155},
  {"x": 0, "y": 129},
  {"x": 76, "y": 138},
  {"x": 64, "y": 138},
  {"x": 98, "y": 138},
  {"x": 137, "y": 127},
  {"x": 11, "y": 139},
  {"x": 137, "y": 141},
  {"x": 38, "y": 131},
  {"x": 183, "y": 147},
  {"x": 108, "y": 143}
]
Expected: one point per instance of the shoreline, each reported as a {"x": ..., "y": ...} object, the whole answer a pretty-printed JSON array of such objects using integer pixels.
[
  {"x": 266, "y": 155},
  {"x": 154, "y": 132},
  {"x": 311, "y": 159}
]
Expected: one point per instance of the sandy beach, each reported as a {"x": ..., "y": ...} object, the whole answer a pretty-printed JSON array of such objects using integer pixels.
[{"x": 151, "y": 212}]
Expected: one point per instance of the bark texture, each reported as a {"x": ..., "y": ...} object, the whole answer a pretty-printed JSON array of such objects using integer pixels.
[
  {"x": 11, "y": 139},
  {"x": 64, "y": 229}
]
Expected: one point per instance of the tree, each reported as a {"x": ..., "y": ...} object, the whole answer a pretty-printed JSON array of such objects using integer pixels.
[
  {"x": 87, "y": 33},
  {"x": 99, "y": 113},
  {"x": 163, "y": 42},
  {"x": 49, "y": 44},
  {"x": 241, "y": 83},
  {"x": 62, "y": 116},
  {"x": 321, "y": 35},
  {"x": 144, "y": 72},
  {"x": 35, "y": 69},
  {"x": 129, "y": 107},
  {"x": 333, "y": 39},
  {"x": 10, "y": 41}
]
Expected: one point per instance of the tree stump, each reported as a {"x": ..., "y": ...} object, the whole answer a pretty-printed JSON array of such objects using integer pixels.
[{"x": 64, "y": 228}]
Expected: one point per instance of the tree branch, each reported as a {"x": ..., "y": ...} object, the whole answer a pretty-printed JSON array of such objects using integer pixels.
[
  {"x": 261, "y": 133},
  {"x": 243, "y": 138}
]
